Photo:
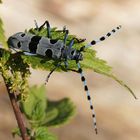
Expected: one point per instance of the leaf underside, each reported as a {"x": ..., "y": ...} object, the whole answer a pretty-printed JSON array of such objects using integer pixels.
[
  {"x": 42, "y": 133},
  {"x": 35, "y": 104},
  {"x": 59, "y": 112},
  {"x": 42, "y": 112}
]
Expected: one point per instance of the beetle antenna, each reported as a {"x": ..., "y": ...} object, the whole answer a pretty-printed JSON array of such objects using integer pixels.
[
  {"x": 36, "y": 25},
  {"x": 102, "y": 38},
  {"x": 88, "y": 95}
]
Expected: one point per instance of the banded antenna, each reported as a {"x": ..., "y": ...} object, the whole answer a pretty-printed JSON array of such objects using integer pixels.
[
  {"x": 88, "y": 96},
  {"x": 102, "y": 38}
]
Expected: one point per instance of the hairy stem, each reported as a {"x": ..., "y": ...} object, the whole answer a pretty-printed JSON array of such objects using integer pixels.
[{"x": 18, "y": 114}]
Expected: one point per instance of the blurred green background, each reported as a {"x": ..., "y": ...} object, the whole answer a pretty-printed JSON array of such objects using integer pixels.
[{"x": 117, "y": 112}]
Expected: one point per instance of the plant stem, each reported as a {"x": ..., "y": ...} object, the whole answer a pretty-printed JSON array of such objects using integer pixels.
[{"x": 18, "y": 114}]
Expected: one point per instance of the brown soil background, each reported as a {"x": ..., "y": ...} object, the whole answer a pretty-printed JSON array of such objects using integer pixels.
[{"x": 117, "y": 112}]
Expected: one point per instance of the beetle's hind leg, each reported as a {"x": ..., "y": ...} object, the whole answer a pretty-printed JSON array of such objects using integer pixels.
[{"x": 47, "y": 26}]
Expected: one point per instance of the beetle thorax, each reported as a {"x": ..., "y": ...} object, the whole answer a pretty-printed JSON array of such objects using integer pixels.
[{"x": 71, "y": 54}]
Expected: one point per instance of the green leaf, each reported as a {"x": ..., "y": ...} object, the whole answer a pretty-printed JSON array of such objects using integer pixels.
[
  {"x": 16, "y": 132},
  {"x": 123, "y": 84},
  {"x": 4, "y": 56},
  {"x": 100, "y": 66},
  {"x": 41, "y": 133},
  {"x": 51, "y": 113},
  {"x": 0, "y": 1},
  {"x": 65, "y": 111},
  {"x": 2, "y": 36},
  {"x": 90, "y": 61},
  {"x": 35, "y": 105}
]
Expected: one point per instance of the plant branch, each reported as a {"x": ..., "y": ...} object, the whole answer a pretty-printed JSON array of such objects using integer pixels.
[{"x": 17, "y": 114}]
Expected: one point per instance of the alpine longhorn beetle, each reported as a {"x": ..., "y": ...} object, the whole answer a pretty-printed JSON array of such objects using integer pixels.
[{"x": 55, "y": 49}]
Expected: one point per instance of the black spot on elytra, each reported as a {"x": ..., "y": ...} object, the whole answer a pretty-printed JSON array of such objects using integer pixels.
[
  {"x": 33, "y": 44},
  {"x": 49, "y": 53},
  {"x": 23, "y": 35},
  {"x": 36, "y": 39},
  {"x": 19, "y": 44},
  {"x": 53, "y": 41}
]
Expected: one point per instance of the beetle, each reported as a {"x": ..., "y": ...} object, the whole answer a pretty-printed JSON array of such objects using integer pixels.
[{"x": 56, "y": 49}]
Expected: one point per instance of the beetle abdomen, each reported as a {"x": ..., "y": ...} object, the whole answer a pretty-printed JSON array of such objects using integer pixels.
[{"x": 36, "y": 45}]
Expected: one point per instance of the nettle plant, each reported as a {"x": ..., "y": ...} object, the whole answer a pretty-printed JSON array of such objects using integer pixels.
[{"x": 68, "y": 53}]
